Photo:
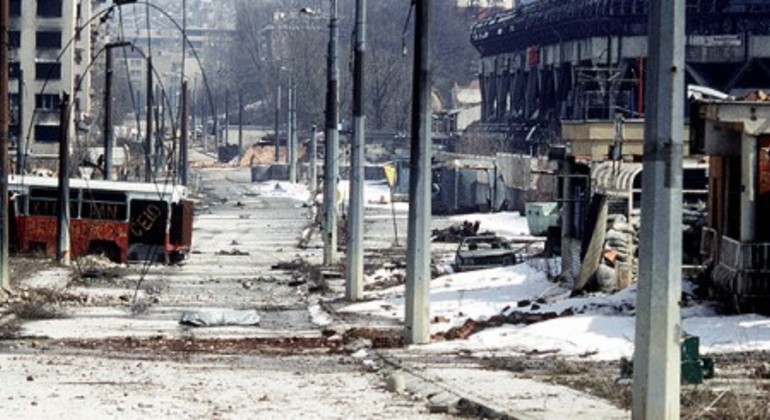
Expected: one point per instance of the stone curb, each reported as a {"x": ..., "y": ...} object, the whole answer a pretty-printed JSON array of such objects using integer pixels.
[{"x": 441, "y": 398}]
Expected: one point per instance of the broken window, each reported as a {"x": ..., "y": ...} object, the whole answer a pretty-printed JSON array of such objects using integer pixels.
[
  {"x": 49, "y": 8},
  {"x": 104, "y": 205},
  {"x": 47, "y": 71},
  {"x": 48, "y": 39},
  {"x": 47, "y": 133},
  {"x": 15, "y": 8},
  {"x": 13, "y": 107},
  {"x": 47, "y": 101},
  {"x": 14, "y": 39},
  {"x": 14, "y": 69}
]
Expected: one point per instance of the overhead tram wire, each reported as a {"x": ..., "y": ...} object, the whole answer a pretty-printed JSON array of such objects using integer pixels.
[
  {"x": 134, "y": 104},
  {"x": 104, "y": 15},
  {"x": 165, "y": 97}
]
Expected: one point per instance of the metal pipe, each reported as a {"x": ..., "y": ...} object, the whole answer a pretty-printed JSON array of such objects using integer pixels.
[
  {"x": 148, "y": 121},
  {"x": 290, "y": 152},
  {"x": 313, "y": 184},
  {"x": 183, "y": 141},
  {"x": 658, "y": 320},
  {"x": 107, "y": 156},
  {"x": 4, "y": 232},
  {"x": 227, "y": 117},
  {"x": 418, "y": 236},
  {"x": 278, "y": 120},
  {"x": 294, "y": 137},
  {"x": 331, "y": 164},
  {"x": 293, "y": 150},
  {"x": 354, "y": 289},
  {"x": 240, "y": 122},
  {"x": 63, "y": 215},
  {"x": 20, "y": 143}
]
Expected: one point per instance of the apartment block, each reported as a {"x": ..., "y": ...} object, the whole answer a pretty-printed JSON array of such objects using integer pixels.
[{"x": 49, "y": 54}]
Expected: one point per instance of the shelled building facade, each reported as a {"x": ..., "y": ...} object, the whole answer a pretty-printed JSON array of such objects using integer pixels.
[{"x": 43, "y": 64}]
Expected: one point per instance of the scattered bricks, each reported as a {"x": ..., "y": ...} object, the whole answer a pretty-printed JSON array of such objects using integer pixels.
[
  {"x": 466, "y": 330},
  {"x": 528, "y": 318},
  {"x": 379, "y": 338},
  {"x": 233, "y": 253},
  {"x": 440, "y": 319},
  {"x": 762, "y": 371}
]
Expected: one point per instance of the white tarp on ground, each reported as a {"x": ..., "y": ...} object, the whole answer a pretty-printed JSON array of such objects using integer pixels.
[{"x": 218, "y": 318}]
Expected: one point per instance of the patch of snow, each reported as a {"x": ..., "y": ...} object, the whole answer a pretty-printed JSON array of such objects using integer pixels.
[
  {"x": 297, "y": 192},
  {"x": 318, "y": 316}
]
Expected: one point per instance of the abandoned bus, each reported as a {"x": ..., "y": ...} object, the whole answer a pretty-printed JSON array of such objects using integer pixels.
[{"x": 121, "y": 220}]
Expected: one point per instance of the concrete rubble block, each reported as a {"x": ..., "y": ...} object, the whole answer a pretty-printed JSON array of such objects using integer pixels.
[{"x": 443, "y": 402}]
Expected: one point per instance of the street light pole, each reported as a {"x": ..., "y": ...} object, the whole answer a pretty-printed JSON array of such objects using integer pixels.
[
  {"x": 656, "y": 392},
  {"x": 108, "y": 134},
  {"x": 278, "y": 119},
  {"x": 4, "y": 232},
  {"x": 331, "y": 164},
  {"x": 418, "y": 236},
  {"x": 354, "y": 289},
  {"x": 293, "y": 152},
  {"x": 148, "y": 128},
  {"x": 313, "y": 184}
]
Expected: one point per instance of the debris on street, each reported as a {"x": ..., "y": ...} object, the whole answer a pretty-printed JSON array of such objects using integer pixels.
[
  {"x": 218, "y": 318},
  {"x": 458, "y": 232}
]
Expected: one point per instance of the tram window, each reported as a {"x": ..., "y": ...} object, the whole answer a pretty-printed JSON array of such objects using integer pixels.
[
  {"x": 45, "y": 202},
  {"x": 103, "y": 205}
]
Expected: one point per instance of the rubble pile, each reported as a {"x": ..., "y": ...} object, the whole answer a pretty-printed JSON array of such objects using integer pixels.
[
  {"x": 456, "y": 233},
  {"x": 620, "y": 249}
]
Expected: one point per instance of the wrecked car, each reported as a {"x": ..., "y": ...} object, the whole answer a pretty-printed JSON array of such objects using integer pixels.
[{"x": 487, "y": 251}]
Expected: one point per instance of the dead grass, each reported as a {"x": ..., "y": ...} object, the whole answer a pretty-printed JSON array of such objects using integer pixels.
[
  {"x": 741, "y": 389},
  {"x": 38, "y": 304}
]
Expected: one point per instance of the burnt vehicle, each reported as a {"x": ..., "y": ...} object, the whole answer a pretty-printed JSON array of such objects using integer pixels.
[
  {"x": 125, "y": 221},
  {"x": 486, "y": 251}
]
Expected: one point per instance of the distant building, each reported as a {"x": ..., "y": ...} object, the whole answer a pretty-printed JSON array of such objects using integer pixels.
[
  {"x": 486, "y": 4},
  {"x": 40, "y": 50}
]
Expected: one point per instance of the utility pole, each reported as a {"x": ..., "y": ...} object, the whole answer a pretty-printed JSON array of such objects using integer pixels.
[
  {"x": 148, "y": 119},
  {"x": 292, "y": 155},
  {"x": 4, "y": 232},
  {"x": 160, "y": 129},
  {"x": 183, "y": 141},
  {"x": 278, "y": 119},
  {"x": 331, "y": 164},
  {"x": 20, "y": 143},
  {"x": 418, "y": 236},
  {"x": 289, "y": 105},
  {"x": 354, "y": 289},
  {"x": 294, "y": 145},
  {"x": 240, "y": 121},
  {"x": 227, "y": 117},
  {"x": 313, "y": 184},
  {"x": 63, "y": 215},
  {"x": 658, "y": 319},
  {"x": 107, "y": 156}
]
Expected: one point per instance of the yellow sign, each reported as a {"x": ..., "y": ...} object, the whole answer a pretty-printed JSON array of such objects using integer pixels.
[{"x": 390, "y": 175}]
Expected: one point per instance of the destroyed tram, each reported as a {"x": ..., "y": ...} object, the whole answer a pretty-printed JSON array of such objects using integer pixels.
[{"x": 120, "y": 220}]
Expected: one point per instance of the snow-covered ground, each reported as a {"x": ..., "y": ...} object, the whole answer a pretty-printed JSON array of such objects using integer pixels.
[{"x": 602, "y": 327}]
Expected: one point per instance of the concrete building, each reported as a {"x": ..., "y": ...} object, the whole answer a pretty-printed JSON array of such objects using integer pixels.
[
  {"x": 40, "y": 50},
  {"x": 484, "y": 4},
  {"x": 550, "y": 61}
]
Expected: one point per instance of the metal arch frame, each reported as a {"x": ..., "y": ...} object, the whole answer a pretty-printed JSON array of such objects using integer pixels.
[{"x": 101, "y": 14}]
